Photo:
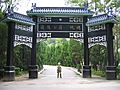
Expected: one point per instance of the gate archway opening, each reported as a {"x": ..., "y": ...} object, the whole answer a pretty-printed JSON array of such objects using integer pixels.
[
  {"x": 98, "y": 59},
  {"x": 68, "y": 52},
  {"x": 21, "y": 58}
]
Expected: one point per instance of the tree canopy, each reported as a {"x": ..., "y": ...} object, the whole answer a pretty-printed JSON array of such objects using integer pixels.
[{"x": 97, "y": 5}]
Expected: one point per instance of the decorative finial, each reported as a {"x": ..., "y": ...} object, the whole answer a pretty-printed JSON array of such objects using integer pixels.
[
  {"x": 110, "y": 11},
  {"x": 85, "y": 5},
  {"x": 33, "y": 5},
  {"x": 10, "y": 10}
]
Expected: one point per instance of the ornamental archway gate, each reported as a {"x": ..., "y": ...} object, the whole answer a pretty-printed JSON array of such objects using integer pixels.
[{"x": 58, "y": 22}]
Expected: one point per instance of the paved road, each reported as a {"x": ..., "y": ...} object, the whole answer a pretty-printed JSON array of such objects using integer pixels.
[{"x": 71, "y": 81}]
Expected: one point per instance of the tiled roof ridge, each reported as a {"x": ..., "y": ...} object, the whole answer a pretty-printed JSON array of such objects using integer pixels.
[
  {"x": 18, "y": 15},
  {"x": 102, "y": 15},
  {"x": 60, "y": 10},
  {"x": 101, "y": 18},
  {"x": 61, "y": 7}
]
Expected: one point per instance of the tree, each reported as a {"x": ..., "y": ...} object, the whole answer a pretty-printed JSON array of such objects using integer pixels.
[
  {"x": 98, "y": 57},
  {"x": 22, "y": 57},
  {"x": 77, "y": 52},
  {"x": 116, "y": 33},
  {"x": 41, "y": 46},
  {"x": 3, "y": 43},
  {"x": 5, "y": 3},
  {"x": 61, "y": 50},
  {"x": 97, "y": 5}
]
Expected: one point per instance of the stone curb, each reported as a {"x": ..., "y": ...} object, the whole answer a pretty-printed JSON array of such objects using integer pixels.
[
  {"x": 75, "y": 70},
  {"x": 41, "y": 71}
]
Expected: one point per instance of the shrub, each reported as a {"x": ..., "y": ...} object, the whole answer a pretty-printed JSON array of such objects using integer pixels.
[
  {"x": 98, "y": 73},
  {"x": 18, "y": 71},
  {"x": 118, "y": 71},
  {"x": 79, "y": 68}
]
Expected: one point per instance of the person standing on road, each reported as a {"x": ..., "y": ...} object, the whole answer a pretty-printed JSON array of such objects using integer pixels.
[{"x": 59, "y": 70}]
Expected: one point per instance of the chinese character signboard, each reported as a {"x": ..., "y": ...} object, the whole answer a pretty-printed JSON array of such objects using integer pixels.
[
  {"x": 60, "y": 27},
  {"x": 97, "y": 35},
  {"x": 23, "y": 34}
]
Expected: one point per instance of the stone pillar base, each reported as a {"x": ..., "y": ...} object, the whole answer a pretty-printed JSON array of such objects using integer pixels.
[
  {"x": 9, "y": 73},
  {"x": 86, "y": 71},
  {"x": 33, "y": 71},
  {"x": 111, "y": 73}
]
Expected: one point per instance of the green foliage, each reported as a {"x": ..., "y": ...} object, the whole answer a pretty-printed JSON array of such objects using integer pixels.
[
  {"x": 22, "y": 56},
  {"x": 116, "y": 33},
  {"x": 18, "y": 71},
  {"x": 11, "y": 3},
  {"x": 3, "y": 42},
  {"x": 98, "y": 57},
  {"x": 77, "y": 52},
  {"x": 79, "y": 67},
  {"x": 76, "y": 2},
  {"x": 96, "y": 5},
  {"x": 118, "y": 71},
  {"x": 68, "y": 52},
  {"x": 40, "y": 54},
  {"x": 98, "y": 73}
]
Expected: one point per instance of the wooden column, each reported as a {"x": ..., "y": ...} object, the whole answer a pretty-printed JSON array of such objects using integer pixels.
[
  {"x": 110, "y": 68},
  {"x": 86, "y": 66},
  {"x": 9, "y": 74},
  {"x": 33, "y": 67}
]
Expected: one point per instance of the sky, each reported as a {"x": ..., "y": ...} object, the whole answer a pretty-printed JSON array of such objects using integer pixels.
[{"x": 26, "y": 4}]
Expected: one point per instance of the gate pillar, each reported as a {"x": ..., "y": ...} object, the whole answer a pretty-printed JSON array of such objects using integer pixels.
[
  {"x": 86, "y": 66},
  {"x": 9, "y": 72},
  {"x": 110, "y": 68},
  {"x": 33, "y": 67}
]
